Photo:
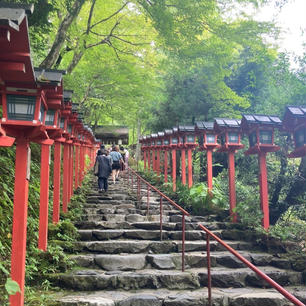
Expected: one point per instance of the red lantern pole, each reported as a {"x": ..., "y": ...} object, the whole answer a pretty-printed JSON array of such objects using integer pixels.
[
  {"x": 65, "y": 177},
  {"x": 166, "y": 166},
  {"x": 158, "y": 162},
  {"x": 183, "y": 164},
  {"x": 263, "y": 187},
  {"x": 80, "y": 164},
  {"x": 189, "y": 167},
  {"x": 209, "y": 169},
  {"x": 71, "y": 170},
  {"x": 20, "y": 213},
  {"x": 76, "y": 167},
  {"x": 174, "y": 169},
  {"x": 231, "y": 183},
  {"x": 149, "y": 160},
  {"x": 44, "y": 195},
  {"x": 144, "y": 160},
  {"x": 56, "y": 182},
  {"x": 153, "y": 161}
]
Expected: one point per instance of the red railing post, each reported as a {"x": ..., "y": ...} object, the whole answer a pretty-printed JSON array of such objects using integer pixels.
[
  {"x": 174, "y": 169},
  {"x": 208, "y": 268},
  {"x": 161, "y": 217},
  {"x": 148, "y": 199},
  {"x": 183, "y": 242}
]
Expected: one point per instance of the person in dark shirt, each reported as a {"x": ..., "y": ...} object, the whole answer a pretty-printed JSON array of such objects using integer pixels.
[{"x": 105, "y": 169}]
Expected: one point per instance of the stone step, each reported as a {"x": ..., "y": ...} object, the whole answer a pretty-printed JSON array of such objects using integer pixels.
[
  {"x": 198, "y": 297},
  {"x": 116, "y": 217},
  {"x": 155, "y": 247},
  {"x": 92, "y": 280},
  {"x": 133, "y": 262},
  {"x": 140, "y": 234}
]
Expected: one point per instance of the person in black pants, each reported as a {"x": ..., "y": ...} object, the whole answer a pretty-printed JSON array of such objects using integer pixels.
[{"x": 105, "y": 169}]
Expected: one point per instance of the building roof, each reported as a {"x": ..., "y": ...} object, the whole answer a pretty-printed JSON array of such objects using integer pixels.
[
  {"x": 186, "y": 128},
  {"x": 49, "y": 76},
  {"x": 204, "y": 125},
  {"x": 227, "y": 123},
  {"x": 261, "y": 119},
  {"x": 12, "y": 14}
]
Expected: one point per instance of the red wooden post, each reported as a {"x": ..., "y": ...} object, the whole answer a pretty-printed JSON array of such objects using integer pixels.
[
  {"x": 76, "y": 167},
  {"x": 153, "y": 160},
  {"x": 81, "y": 161},
  {"x": 166, "y": 166},
  {"x": 189, "y": 167},
  {"x": 263, "y": 187},
  {"x": 149, "y": 160},
  {"x": 65, "y": 177},
  {"x": 158, "y": 162},
  {"x": 209, "y": 169},
  {"x": 44, "y": 196},
  {"x": 20, "y": 213},
  {"x": 56, "y": 182},
  {"x": 144, "y": 160},
  {"x": 71, "y": 170},
  {"x": 174, "y": 169},
  {"x": 183, "y": 164},
  {"x": 231, "y": 184}
]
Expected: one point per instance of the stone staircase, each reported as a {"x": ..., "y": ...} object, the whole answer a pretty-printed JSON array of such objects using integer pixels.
[{"x": 122, "y": 262}]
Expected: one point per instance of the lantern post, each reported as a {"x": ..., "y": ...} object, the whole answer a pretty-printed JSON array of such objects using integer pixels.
[
  {"x": 24, "y": 107},
  {"x": 159, "y": 147},
  {"x": 166, "y": 147},
  {"x": 148, "y": 148},
  {"x": 142, "y": 148},
  {"x": 181, "y": 146},
  {"x": 260, "y": 131},
  {"x": 230, "y": 137},
  {"x": 208, "y": 141},
  {"x": 153, "y": 146},
  {"x": 187, "y": 141},
  {"x": 173, "y": 146}
]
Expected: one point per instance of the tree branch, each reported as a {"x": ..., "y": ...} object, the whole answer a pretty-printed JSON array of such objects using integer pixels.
[{"x": 90, "y": 16}]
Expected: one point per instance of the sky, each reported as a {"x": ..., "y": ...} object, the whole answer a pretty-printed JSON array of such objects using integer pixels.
[{"x": 292, "y": 19}]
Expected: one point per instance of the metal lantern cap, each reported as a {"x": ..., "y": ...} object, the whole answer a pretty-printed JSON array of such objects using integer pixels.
[{"x": 204, "y": 126}]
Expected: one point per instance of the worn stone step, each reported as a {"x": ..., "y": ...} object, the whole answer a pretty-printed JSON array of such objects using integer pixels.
[
  {"x": 90, "y": 280},
  {"x": 156, "y": 247},
  {"x": 119, "y": 217},
  {"x": 198, "y": 297},
  {"x": 131, "y": 262},
  {"x": 140, "y": 234}
]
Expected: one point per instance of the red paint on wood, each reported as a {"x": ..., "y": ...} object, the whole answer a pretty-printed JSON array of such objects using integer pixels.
[
  {"x": 183, "y": 166},
  {"x": 209, "y": 170},
  {"x": 56, "y": 182},
  {"x": 20, "y": 213},
  {"x": 166, "y": 166},
  {"x": 174, "y": 169},
  {"x": 231, "y": 184},
  {"x": 263, "y": 188},
  {"x": 153, "y": 161},
  {"x": 76, "y": 167},
  {"x": 189, "y": 168},
  {"x": 44, "y": 197},
  {"x": 144, "y": 160},
  {"x": 158, "y": 162},
  {"x": 149, "y": 160},
  {"x": 65, "y": 177},
  {"x": 12, "y": 66}
]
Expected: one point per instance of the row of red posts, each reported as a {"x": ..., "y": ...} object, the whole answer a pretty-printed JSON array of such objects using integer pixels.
[
  {"x": 224, "y": 135},
  {"x": 35, "y": 108}
]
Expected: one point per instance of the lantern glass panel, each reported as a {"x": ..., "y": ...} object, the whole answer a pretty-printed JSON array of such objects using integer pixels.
[
  {"x": 253, "y": 139},
  {"x": 300, "y": 137},
  {"x": 210, "y": 138},
  {"x": 20, "y": 107},
  {"x": 222, "y": 139},
  {"x": 62, "y": 123},
  {"x": 69, "y": 128},
  {"x": 201, "y": 140},
  {"x": 190, "y": 138},
  {"x": 159, "y": 142},
  {"x": 265, "y": 137},
  {"x": 166, "y": 142},
  {"x": 50, "y": 117},
  {"x": 233, "y": 137},
  {"x": 181, "y": 140},
  {"x": 174, "y": 140}
]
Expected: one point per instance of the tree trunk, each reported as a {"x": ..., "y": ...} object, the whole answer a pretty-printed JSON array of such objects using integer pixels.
[
  {"x": 54, "y": 52},
  {"x": 75, "y": 60}
]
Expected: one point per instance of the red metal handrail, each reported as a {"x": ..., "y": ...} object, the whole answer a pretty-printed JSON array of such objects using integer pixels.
[
  {"x": 209, "y": 234},
  {"x": 162, "y": 195}
]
